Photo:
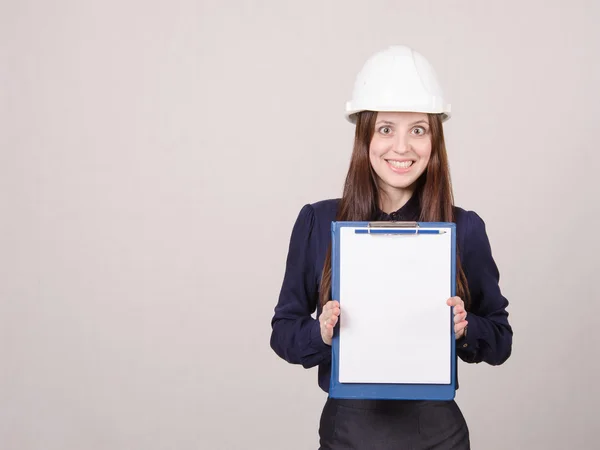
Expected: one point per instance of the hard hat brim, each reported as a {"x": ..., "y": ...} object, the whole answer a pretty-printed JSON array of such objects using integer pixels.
[{"x": 351, "y": 114}]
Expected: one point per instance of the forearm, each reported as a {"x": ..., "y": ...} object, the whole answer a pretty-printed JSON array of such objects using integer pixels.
[
  {"x": 488, "y": 339},
  {"x": 298, "y": 341}
]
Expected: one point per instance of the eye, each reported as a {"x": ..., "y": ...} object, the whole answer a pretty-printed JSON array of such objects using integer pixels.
[
  {"x": 419, "y": 131},
  {"x": 385, "y": 130}
]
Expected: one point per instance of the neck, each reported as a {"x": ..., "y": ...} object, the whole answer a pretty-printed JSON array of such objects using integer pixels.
[{"x": 391, "y": 200}]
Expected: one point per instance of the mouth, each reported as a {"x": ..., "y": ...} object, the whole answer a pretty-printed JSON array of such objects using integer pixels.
[{"x": 400, "y": 166}]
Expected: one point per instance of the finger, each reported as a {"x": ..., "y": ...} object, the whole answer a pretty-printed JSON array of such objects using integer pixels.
[
  {"x": 333, "y": 321},
  {"x": 452, "y": 301},
  {"x": 460, "y": 317},
  {"x": 330, "y": 309},
  {"x": 458, "y": 309},
  {"x": 331, "y": 317},
  {"x": 460, "y": 326},
  {"x": 332, "y": 306},
  {"x": 327, "y": 330}
]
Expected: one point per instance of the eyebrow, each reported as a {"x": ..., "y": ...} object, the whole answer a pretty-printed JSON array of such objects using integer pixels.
[{"x": 387, "y": 122}]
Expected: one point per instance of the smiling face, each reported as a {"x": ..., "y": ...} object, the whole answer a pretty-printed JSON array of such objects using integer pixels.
[{"x": 399, "y": 151}]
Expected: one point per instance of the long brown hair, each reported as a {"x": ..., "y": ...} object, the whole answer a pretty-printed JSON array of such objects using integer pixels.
[{"x": 361, "y": 193}]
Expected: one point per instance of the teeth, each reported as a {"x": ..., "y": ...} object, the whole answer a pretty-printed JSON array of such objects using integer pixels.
[{"x": 401, "y": 165}]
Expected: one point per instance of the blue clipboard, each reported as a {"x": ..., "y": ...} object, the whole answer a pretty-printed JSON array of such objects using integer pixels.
[{"x": 390, "y": 391}]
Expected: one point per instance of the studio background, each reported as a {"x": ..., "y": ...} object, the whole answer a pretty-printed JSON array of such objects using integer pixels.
[{"x": 154, "y": 157}]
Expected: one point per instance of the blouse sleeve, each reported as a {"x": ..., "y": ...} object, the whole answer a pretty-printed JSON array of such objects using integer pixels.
[
  {"x": 489, "y": 335},
  {"x": 296, "y": 336}
]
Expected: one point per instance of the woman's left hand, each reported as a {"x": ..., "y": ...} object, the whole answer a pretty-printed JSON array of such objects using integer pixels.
[{"x": 460, "y": 316}]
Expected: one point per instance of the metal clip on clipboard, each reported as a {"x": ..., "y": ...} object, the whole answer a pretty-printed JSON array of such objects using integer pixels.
[{"x": 396, "y": 228}]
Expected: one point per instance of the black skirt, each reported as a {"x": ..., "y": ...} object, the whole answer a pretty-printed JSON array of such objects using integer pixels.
[{"x": 392, "y": 424}]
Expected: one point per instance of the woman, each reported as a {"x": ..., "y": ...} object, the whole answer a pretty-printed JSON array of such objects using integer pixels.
[{"x": 398, "y": 171}]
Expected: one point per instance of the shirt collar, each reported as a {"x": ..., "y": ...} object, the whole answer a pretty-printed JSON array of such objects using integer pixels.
[{"x": 411, "y": 211}]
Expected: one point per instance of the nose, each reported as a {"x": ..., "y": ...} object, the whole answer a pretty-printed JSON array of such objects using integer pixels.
[{"x": 401, "y": 144}]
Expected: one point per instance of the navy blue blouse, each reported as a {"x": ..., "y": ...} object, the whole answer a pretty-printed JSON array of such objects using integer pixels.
[{"x": 296, "y": 335}]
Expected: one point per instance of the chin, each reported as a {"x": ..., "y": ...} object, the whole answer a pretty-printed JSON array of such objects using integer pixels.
[
  {"x": 402, "y": 186},
  {"x": 400, "y": 182}
]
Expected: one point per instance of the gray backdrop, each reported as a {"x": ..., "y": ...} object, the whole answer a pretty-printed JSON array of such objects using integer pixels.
[{"x": 154, "y": 156}]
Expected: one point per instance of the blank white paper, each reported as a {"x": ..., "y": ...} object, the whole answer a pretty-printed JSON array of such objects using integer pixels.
[{"x": 395, "y": 325}]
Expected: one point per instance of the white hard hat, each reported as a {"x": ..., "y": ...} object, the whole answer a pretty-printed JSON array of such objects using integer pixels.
[{"x": 397, "y": 79}]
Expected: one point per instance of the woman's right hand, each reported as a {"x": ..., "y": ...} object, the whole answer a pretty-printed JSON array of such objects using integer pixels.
[{"x": 328, "y": 319}]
